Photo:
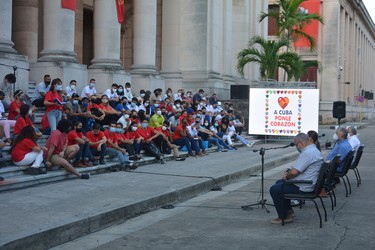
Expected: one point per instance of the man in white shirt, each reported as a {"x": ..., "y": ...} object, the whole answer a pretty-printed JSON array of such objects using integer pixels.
[
  {"x": 71, "y": 89},
  {"x": 40, "y": 91},
  {"x": 128, "y": 91},
  {"x": 112, "y": 95},
  {"x": 353, "y": 138},
  {"x": 89, "y": 90}
]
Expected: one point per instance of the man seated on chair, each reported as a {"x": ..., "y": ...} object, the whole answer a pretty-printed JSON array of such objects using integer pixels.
[
  {"x": 341, "y": 147},
  {"x": 306, "y": 167}
]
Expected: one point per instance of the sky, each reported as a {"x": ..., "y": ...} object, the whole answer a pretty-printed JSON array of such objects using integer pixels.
[{"x": 370, "y": 6}]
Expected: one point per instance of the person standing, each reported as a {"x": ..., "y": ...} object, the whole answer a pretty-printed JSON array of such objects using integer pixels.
[
  {"x": 306, "y": 167},
  {"x": 53, "y": 103}
]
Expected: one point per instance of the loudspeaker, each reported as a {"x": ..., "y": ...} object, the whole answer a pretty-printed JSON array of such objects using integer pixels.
[
  {"x": 339, "y": 110},
  {"x": 239, "y": 92}
]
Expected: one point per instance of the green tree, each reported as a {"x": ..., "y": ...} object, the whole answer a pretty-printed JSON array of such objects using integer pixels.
[
  {"x": 270, "y": 56},
  {"x": 290, "y": 19}
]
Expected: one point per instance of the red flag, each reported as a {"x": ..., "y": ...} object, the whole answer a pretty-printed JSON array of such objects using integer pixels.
[
  {"x": 312, "y": 29},
  {"x": 120, "y": 6},
  {"x": 68, "y": 4}
]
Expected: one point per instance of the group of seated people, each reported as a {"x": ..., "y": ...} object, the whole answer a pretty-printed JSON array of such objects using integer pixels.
[
  {"x": 84, "y": 128},
  {"x": 307, "y": 167}
]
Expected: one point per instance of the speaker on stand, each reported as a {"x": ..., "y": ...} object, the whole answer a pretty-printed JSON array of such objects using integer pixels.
[{"x": 339, "y": 110}]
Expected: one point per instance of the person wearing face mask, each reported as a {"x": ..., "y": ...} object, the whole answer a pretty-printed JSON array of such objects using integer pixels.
[
  {"x": 89, "y": 90},
  {"x": 169, "y": 94},
  {"x": 74, "y": 111},
  {"x": 149, "y": 135},
  {"x": 71, "y": 89},
  {"x": 40, "y": 91},
  {"x": 125, "y": 119},
  {"x": 166, "y": 144},
  {"x": 147, "y": 108},
  {"x": 113, "y": 149},
  {"x": 182, "y": 138},
  {"x": 110, "y": 113},
  {"x": 134, "y": 104},
  {"x": 137, "y": 141},
  {"x": 123, "y": 105},
  {"x": 212, "y": 137},
  {"x": 306, "y": 167},
  {"x": 76, "y": 137},
  {"x": 97, "y": 142},
  {"x": 23, "y": 121},
  {"x": 58, "y": 152},
  {"x": 14, "y": 108},
  {"x": 198, "y": 97},
  {"x": 123, "y": 142},
  {"x": 142, "y": 96},
  {"x": 177, "y": 106},
  {"x": 111, "y": 93},
  {"x": 157, "y": 119},
  {"x": 179, "y": 95},
  {"x": 174, "y": 121},
  {"x": 157, "y": 96},
  {"x": 53, "y": 103},
  {"x": 128, "y": 91},
  {"x": 134, "y": 117},
  {"x": 120, "y": 91}
]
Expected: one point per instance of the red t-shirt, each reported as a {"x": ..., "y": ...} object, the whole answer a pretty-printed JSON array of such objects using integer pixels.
[
  {"x": 94, "y": 105},
  {"x": 166, "y": 132},
  {"x": 145, "y": 133},
  {"x": 110, "y": 136},
  {"x": 22, "y": 148},
  {"x": 72, "y": 136},
  {"x": 176, "y": 134},
  {"x": 12, "y": 114},
  {"x": 21, "y": 123},
  {"x": 58, "y": 139},
  {"x": 129, "y": 135},
  {"x": 104, "y": 107},
  {"x": 44, "y": 122},
  {"x": 51, "y": 97},
  {"x": 94, "y": 138}
]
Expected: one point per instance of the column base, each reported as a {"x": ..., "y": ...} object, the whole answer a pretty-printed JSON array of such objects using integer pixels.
[
  {"x": 147, "y": 82},
  {"x": 107, "y": 64},
  {"x": 66, "y": 71},
  {"x": 57, "y": 56},
  {"x": 143, "y": 70},
  {"x": 106, "y": 77},
  {"x": 6, "y": 46}
]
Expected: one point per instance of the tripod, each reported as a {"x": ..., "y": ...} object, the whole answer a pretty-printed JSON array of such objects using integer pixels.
[{"x": 263, "y": 202}]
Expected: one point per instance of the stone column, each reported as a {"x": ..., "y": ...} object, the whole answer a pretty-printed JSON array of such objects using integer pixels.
[
  {"x": 25, "y": 29},
  {"x": 107, "y": 31},
  {"x": 58, "y": 33},
  {"x": 6, "y": 44},
  {"x": 144, "y": 14}
]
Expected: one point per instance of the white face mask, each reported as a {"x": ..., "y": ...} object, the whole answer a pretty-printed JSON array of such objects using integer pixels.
[
  {"x": 178, "y": 105},
  {"x": 206, "y": 124},
  {"x": 72, "y": 87},
  {"x": 164, "y": 128},
  {"x": 126, "y": 116},
  {"x": 158, "y": 112},
  {"x": 134, "y": 128}
]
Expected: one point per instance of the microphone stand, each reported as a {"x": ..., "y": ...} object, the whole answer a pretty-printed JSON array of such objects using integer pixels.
[{"x": 262, "y": 202}]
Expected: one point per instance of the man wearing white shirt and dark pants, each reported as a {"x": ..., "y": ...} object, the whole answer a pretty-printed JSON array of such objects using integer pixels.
[
  {"x": 71, "y": 89},
  {"x": 89, "y": 90},
  {"x": 40, "y": 91}
]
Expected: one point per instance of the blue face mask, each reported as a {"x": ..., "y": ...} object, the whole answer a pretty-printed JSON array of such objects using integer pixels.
[
  {"x": 133, "y": 104},
  {"x": 59, "y": 87},
  {"x": 75, "y": 102},
  {"x": 85, "y": 104},
  {"x": 144, "y": 125},
  {"x": 119, "y": 130},
  {"x": 113, "y": 130},
  {"x": 156, "y": 105}
]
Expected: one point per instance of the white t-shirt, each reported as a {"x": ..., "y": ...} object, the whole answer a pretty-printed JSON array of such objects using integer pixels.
[
  {"x": 41, "y": 87},
  {"x": 88, "y": 90},
  {"x": 69, "y": 91},
  {"x": 110, "y": 95}
]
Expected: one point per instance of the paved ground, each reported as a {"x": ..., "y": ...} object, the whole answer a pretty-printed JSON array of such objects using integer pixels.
[{"x": 48, "y": 215}]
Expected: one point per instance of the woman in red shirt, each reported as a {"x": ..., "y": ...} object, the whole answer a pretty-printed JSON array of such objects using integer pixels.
[
  {"x": 110, "y": 113},
  {"x": 53, "y": 103},
  {"x": 23, "y": 121},
  {"x": 25, "y": 151},
  {"x": 15, "y": 105}
]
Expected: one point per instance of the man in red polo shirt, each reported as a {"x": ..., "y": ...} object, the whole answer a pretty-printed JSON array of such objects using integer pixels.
[
  {"x": 76, "y": 137},
  {"x": 166, "y": 144},
  {"x": 97, "y": 142}
]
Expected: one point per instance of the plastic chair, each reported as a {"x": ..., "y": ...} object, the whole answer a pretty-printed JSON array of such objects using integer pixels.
[{"x": 341, "y": 175}]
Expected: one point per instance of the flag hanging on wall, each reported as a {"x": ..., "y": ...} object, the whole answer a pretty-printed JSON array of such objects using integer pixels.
[
  {"x": 312, "y": 29},
  {"x": 68, "y": 4},
  {"x": 120, "y": 6}
]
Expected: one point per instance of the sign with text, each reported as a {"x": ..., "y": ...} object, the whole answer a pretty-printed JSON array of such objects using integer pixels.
[{"x": 283, "y": 112}]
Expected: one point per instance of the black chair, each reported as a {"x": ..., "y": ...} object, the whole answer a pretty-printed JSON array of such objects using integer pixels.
[
  {"x": 341, "y": 175},
  {"x": 329, "y": 184},
  {"x": 310, "y": 195},
  {"x": 354, "y": 165}
]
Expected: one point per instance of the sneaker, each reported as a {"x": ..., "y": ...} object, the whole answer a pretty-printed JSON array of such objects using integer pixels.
[
  {"x": 294, "y": 203},
  {"x": 231, "y": 149},
  {"x": 95, "y": 163},
  {"x": 162, "y": 161},
  {"x": 180, "y": 159},
  {"x": 250, "y": 144},
  {"x": 223, "y": 150},
  {"x": 87, "y": 163},
  {"x": 280, "y": 221},
  {"x": 85, "y": 176},
  {"x": 35, "y": 171}
]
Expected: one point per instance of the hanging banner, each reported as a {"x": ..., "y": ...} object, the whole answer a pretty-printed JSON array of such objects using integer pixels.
[
  {"x": 120, "y": 6},
  {"x": 68, "y": 4},
  {"x": 312, "y": 29},
  {"x": 283, "y": 112}
]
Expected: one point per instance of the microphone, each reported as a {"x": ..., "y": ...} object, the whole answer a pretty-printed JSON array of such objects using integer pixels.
[{"x": 290, "y": 145}]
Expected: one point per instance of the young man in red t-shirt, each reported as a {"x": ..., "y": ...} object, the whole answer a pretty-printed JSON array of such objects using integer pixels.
[
  {"x": 113, "y": 149},
  {"x": 137, "y": 140},
  {"x": 76, "y": 137},
  {"x": 166, "y": 144},
  {"x": 59, "y": 153},
  {"x": 97, "y": 142},
  {"x": 150, "y": 136}
]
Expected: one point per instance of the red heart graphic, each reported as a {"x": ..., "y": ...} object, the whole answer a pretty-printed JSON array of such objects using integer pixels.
[{"x": 283, "y": 102}]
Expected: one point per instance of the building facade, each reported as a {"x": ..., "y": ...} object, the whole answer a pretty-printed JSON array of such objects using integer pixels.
[
  {"x": 188, "y": 44},
  {"x": 346, "y": 51}
]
